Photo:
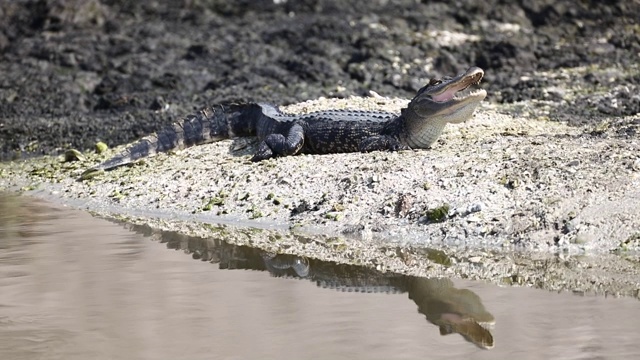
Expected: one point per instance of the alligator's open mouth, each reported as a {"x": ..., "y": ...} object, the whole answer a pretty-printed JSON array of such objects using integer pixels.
[{"x": 458, "y": 88}]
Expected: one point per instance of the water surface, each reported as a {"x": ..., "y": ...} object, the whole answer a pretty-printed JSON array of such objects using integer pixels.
[{"x": 77, "y": 287}]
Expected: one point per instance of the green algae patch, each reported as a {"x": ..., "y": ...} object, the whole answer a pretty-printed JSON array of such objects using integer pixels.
[
  {"x": 101, "y": 147},
  {"x": 513, "y": 280},
  {"x": 216, "y": 201},
  {"x": 438, "y": 214},
  {"x": 438, "y": 257},
  {"x": 334, "y": 216},
  {"x": 255, "y": 213},
  {"x": 632, "y": 243},
  {"x": 30, "y": 187}
]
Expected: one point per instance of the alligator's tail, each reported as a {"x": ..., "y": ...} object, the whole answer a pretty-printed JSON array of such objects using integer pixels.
[{"x": 208, "y": 125}]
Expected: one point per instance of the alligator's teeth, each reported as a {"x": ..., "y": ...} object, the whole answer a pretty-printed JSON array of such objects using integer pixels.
[{"x": 465, "y": 94}]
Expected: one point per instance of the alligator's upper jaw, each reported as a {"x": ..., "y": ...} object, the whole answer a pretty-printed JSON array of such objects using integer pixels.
[{"x": 447, "y": 92}]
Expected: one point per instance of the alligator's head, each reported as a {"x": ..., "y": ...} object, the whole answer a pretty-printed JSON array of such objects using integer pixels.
[
  {"x": 453, "y": 310},
  {"x": 450, "y": 98},
  {"x": 442, "y": 101}
]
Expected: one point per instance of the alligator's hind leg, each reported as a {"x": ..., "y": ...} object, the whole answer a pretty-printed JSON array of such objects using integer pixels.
[
  {"x": 381, "y": 142},
  {"x": 279, "y": 145}
]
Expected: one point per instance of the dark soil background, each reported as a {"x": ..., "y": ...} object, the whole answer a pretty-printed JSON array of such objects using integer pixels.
[{"x": 78, "y": 71}]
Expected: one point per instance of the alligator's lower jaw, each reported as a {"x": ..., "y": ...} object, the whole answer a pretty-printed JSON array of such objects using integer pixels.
[
  {"x": 460, "y": 102},
  {"x": 478, "y": 94},
  {"x": 460, "y": 108}
]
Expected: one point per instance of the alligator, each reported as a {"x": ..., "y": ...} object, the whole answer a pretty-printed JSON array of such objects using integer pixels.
[{"x": 418, "y": 125}]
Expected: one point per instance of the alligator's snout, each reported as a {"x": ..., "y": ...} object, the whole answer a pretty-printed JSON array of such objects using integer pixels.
[{"x": 450, "y": 89}]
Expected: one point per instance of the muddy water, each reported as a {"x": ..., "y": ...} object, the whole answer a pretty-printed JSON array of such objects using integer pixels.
[{"x": 76, "y": 287}]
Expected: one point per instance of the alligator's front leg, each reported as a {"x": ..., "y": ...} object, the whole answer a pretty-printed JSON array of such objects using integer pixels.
[
  {"x": 381, "y": 142},
  {"x": 278, "y": 145}
]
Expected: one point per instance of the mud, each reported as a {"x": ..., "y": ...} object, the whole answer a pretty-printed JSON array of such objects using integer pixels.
[{"x": 75, "y": 72}]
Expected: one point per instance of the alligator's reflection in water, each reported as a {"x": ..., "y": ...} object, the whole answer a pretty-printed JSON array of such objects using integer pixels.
[{"x": 452, "y": 310}]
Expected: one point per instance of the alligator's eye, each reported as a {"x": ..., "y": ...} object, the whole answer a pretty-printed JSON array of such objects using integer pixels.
[{"x": 433, "y": 82}]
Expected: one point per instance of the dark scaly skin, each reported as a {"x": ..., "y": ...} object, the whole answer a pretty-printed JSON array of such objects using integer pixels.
[{"x": 322, "y": 132}]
